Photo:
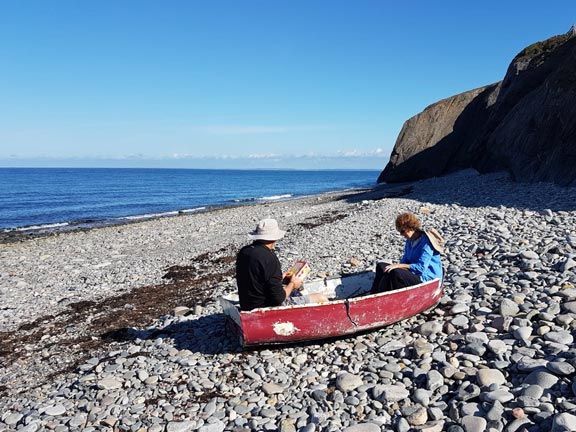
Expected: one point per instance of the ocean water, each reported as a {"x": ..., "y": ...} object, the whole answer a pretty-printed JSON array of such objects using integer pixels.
[{"x": 63, "y": 198}]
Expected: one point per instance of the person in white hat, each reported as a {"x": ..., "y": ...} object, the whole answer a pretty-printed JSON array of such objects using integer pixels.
[{"x": 259, "y": 274}]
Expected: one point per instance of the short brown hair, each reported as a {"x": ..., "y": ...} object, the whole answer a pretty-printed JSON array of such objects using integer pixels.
[{"x": 407, "y": 221}]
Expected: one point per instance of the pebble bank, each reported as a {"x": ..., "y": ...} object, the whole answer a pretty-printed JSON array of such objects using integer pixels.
[{"x": 496, "y": 354}]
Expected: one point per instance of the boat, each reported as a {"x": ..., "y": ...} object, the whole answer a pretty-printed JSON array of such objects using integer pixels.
[{"x": 351, "y": 309}]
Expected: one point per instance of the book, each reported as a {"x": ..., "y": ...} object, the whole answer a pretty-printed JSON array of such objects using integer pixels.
[{"x": 300, "y": 269}]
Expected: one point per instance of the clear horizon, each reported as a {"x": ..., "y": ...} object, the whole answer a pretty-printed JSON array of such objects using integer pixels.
[
  {"x": 252, "y": 84},
  {"x": 185, "y": 168}
]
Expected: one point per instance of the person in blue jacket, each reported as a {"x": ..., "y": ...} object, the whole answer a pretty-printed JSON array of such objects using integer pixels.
[{"x": 421, "y": 259}]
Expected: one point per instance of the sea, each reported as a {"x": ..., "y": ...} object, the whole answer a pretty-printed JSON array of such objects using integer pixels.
[{"x": 53, "y": 199}]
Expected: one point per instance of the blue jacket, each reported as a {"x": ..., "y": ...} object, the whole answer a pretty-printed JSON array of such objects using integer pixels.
[{"x": 424, "y": 261}]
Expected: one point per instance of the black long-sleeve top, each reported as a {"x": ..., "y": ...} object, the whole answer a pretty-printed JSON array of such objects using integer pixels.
[{"x": 259, "y": 277}]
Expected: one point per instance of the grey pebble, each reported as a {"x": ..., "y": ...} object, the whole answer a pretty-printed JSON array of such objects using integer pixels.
[
  {"x": 421, "y": 397},
  {"x": 500, "y": 395},
  {"x": 561, "y": 368},
  {"x": 560, "y": 337},
  {"x": 183, "y": 426},
  {"x": 434, "y": 379},
  {"x": 564, "y": 422},
  {"x": 363, "y": 427},
  {"x": 390, "y": 393},
  {"x": 12, "y": 418},
  {"x": 508, "y": 308},
  {"x": 55, "y": 410},
  {"x": 347, "y": 382},
  {"x": 473, "y": 424},
  {"x": 542, "y": 379},
  {"x": 487, "y": 377}
]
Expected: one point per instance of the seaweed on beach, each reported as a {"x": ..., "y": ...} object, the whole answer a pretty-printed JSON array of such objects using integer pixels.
[
  {"x": 87, "y": 327},
  {"x": 325, "y": 219},
  {"x": 196, "y": 271}
]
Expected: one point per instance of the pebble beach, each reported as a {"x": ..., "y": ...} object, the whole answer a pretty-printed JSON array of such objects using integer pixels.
[{"x": 118, "y": 328}]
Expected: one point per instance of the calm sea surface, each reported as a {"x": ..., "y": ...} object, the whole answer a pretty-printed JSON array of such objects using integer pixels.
[{"x": 57, "y": 198}]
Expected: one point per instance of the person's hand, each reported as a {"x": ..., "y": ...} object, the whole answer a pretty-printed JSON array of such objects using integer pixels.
[
  {"x": 391, "y": 267},
  {"x": 296, "y": 282}
]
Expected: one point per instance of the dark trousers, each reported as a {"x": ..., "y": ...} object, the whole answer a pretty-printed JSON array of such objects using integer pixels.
[{"x": 392, "y": 280}]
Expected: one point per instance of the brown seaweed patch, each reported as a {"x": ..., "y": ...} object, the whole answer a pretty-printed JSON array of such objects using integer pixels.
[
  {"x": 87, "y": 327},
  {"x": 323, "y": 220}
]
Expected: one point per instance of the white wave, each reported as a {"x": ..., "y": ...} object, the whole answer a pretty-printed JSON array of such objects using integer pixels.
[
  {"x": 163, "y": 214},
  {"x": 193, "y": 210},
  {"x": 150, "y": 215},
  {"x": 275, "y": 197},
  {"x": 40, "y": 227}
]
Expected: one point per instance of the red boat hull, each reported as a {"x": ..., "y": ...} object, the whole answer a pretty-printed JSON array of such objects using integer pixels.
[{"x": 287, "y": 324}]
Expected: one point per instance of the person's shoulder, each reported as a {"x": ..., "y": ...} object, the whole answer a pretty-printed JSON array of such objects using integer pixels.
[
  {"x": 246, "y": 250},
  {"x": 255, "y": 249}
]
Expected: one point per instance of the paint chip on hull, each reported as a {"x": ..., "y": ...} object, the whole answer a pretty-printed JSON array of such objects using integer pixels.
[{"x": 285, "y": 328}]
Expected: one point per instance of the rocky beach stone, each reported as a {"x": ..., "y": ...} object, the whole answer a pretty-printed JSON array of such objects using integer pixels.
[
  {"x": 432, "y": 327},
  {"x": 564, "y": 422},
  {"x": 415, "y": 415},
  {"x": 421, "y": 397},
  {"x": 500, "y": 395},
  {"x": 347, "y": 382},
  {"x": 500, "y": 340},
  {"x": 523, "y": 334},
  {"x": 473, "y": 424},
  {"x": 390, "y": 393},
  {"x": 560, "y": 337},
  {"x": 529, "y": 364},
  {"x": 109, "y": 384},
  {"x": 540, "y": 378},
  {"x": 498, "y": 346},
  {"x": 487, "y": 377},
  {"x": 271, "y": 388},
  {"x": 363, "y": 427},
  {"x": 435, "y": 380},
  {"x": 570, "y": 307},
  {"x": 534, "y": 391},
  {"x": 561, "y": 368},
  {"x": 508, "y": 308}
]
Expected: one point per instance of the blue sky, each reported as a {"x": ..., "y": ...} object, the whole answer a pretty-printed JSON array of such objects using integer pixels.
[{"x": 243, "y": 83}]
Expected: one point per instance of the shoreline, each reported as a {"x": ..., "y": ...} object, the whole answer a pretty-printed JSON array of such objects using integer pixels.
[
  {"x": 123, "y": 198},
  {"x": 17, "y": 234}
]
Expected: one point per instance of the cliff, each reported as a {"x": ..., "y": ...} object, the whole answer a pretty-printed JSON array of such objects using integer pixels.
[{"x": 525, "y": 124}]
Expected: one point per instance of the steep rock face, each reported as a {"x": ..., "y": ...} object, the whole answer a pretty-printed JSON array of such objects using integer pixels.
[
  {"x": 525, "y": 124},
  {"x": 438, "y": 140},
  {"x": 532, "y": 126}
]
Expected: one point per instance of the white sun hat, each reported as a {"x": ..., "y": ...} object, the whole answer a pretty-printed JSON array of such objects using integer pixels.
[{"x": 267, "y": 229}]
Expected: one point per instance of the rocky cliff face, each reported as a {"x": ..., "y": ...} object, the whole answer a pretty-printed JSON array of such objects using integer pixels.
[{"x": 525, "y": 124}]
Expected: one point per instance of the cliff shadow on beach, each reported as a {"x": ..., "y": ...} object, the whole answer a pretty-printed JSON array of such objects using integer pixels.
[{"x": 468, "y": 188}]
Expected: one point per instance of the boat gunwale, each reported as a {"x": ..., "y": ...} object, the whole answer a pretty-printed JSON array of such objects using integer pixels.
[{"x": 333, "y": 302}]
